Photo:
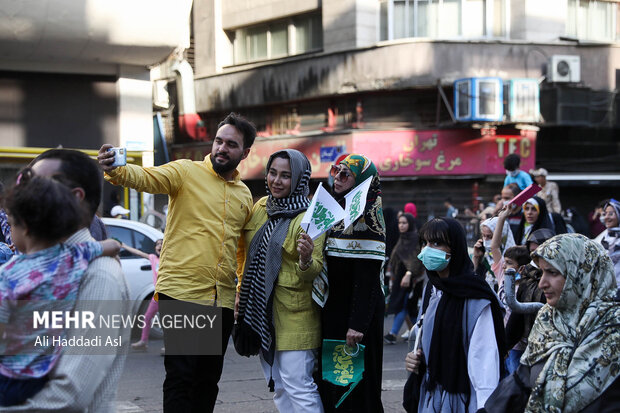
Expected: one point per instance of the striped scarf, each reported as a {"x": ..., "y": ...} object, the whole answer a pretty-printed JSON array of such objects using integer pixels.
[{"x": 265, "y": 253}]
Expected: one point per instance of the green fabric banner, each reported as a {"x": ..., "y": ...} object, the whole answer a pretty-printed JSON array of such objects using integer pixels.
[{"x": 342, "y": 365}]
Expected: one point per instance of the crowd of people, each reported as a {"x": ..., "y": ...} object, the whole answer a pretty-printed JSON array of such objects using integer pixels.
[
  {"x": 526, "y": 320},
  {"x": 536, "y": 309}
]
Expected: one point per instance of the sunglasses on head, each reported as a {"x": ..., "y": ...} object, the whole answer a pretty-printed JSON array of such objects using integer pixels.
[{"x": 338, "y": 172}]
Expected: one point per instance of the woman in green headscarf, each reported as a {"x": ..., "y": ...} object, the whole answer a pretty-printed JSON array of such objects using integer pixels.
[
  {"x": 355, "y": 305},
  {"x": 572, "y": 360}
]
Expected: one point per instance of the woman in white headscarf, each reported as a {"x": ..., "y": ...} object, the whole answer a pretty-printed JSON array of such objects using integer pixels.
[
  {"x": 610, "y": 238},
  {"x": 572, "y": 360},
  {"x": 484, "y": 263}
]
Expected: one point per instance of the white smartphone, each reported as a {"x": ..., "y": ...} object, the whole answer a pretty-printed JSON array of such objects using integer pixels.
[{"x": 120, "y": 156}]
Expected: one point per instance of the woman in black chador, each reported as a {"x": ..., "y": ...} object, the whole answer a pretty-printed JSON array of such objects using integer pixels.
[{"x": 355, "y": 306}]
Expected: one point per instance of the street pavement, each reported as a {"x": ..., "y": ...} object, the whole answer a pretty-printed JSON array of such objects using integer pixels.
[{"x": 242, "y": 386}]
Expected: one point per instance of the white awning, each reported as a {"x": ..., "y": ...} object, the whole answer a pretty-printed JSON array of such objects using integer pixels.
[{"x": 583, "y": 177}]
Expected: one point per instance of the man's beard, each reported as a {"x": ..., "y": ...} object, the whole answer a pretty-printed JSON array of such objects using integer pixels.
[{"x": 221, "y": 168}]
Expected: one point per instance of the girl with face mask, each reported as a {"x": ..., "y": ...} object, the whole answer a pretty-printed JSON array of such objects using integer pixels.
[{"x": 462, "y": 343}]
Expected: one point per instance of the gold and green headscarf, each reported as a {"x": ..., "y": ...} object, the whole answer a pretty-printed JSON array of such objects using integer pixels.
[
  {"x": 361, "y": 167},
  {"x": 579, "y": 339}
]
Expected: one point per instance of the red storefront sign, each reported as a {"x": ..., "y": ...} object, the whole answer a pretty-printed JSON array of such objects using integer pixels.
[
  {"x": 443, "y": 152},
  {"x": 406, "y": 152},
  {"x": 254, "y": 166}
]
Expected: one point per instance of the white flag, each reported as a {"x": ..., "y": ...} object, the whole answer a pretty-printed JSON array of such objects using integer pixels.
[
  {"x": 356, "y": 202},
  {"x": 323, "y": 212}
]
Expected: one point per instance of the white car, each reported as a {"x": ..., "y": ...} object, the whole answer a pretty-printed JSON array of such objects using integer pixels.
[{"x": 137, "y": 270}]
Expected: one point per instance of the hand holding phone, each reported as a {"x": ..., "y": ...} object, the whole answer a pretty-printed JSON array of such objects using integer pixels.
[
  {"x": 110, "y": 157},
  {"x": 120, "y": 156}
]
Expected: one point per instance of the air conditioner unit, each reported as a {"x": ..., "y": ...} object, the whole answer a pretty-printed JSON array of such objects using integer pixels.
[
  {"x": 524, "y": 102},
  {"x": 565, "y": 68},
  {"x": 479, "y": 99}
]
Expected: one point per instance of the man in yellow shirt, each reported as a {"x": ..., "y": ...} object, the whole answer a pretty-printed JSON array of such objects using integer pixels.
[{"x": 208, "y": 207}]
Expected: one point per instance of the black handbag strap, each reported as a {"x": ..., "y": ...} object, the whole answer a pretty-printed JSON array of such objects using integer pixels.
[{"x": 428, "y": 289}]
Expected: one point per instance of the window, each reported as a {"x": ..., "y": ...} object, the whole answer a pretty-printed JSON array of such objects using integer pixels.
[
  {"x": 490, "y": 101},
  {"x": 308, "y": 33},
  {"x": 279, "y": 40},
  {"x": 123, "y": 235},
  {"x": 253, "y": 44},
  {"x": 442, "y": 19},
  {"x": 132, "y": 238},
  {"x": 300, "y": 34},
  {"x": 463, "y": 99},
  {"x": 143, "y": 243},
  {"x": 592, "y": 20}
]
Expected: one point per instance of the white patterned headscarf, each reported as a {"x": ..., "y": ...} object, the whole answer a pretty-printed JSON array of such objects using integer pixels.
[
  {"x": 507, "y": 238},
  {"x": 579, "y": 338}
]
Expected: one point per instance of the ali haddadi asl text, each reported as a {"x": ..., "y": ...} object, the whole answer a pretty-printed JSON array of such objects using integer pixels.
[{"x": 45, "y": 341}]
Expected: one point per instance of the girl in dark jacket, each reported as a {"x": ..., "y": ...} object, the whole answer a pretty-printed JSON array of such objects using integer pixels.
[{"x": 407, "y": 275}]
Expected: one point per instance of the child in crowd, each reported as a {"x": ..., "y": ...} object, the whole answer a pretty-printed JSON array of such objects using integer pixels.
[
  {"x": 512, "y": 163},
  {"x": 483, "y": 259},
  {"x": 153, "y": 307},
  {"x": 517, "y": 258},
  {"x": 42, "y": 213}
]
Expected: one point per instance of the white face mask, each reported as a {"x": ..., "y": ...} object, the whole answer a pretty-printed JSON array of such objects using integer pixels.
[
  {"x": 602, "y": 219},
  {"x": 512, "y": 173},
  {"x": 487, "y": 244}
]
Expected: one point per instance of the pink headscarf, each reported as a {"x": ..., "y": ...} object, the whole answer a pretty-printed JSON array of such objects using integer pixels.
[{"x": 412, "y": 209}]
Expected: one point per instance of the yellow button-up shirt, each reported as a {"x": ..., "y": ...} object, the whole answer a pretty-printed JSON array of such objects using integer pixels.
[{"x": 206, "y": 214}]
